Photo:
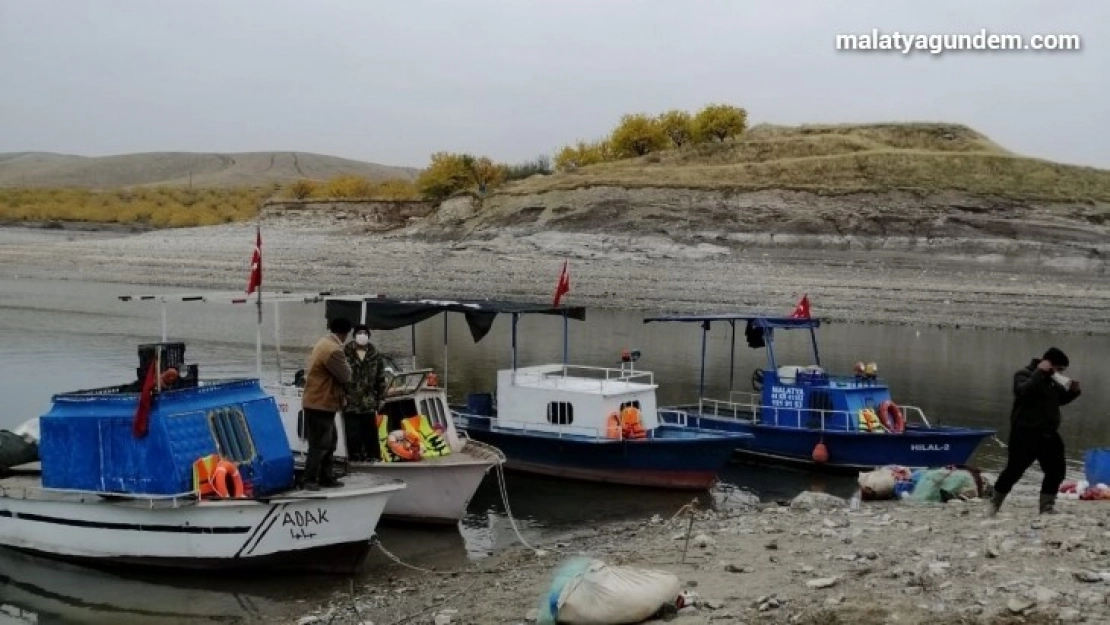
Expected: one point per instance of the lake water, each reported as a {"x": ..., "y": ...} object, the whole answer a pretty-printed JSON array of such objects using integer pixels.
[{"x": 67, "y": 335}]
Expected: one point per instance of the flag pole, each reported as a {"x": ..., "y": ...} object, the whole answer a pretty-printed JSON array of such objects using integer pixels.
[
  {"x": 566, "y": 332},
  {"x": 277, "y": 340},
  {"x": 258, "y": 303}
]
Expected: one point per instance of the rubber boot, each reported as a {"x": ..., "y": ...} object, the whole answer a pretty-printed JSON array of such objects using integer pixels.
[
  {"x": 996, "y": 502},
  {"x": 1048, "y": 504}
]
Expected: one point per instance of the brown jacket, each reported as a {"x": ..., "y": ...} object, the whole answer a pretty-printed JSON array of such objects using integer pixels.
[{"x": 326, "y": 377}]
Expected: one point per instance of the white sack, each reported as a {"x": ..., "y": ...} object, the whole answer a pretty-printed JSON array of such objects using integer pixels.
[
  {"x": 611, "y": 595},
  {"x": 880, "y": 483}
]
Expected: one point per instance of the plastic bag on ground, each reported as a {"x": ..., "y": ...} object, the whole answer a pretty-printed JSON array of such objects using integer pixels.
[
  {"x": 940, "y": 484},
  {"x": 590, "y": 592},
  {"x": 877, "y": 484}
]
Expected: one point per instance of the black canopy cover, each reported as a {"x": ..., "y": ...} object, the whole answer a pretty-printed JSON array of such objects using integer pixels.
[{"x": 391, "y": 314}]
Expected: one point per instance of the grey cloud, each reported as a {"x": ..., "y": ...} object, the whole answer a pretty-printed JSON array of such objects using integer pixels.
[{"x": 392, "y": 82}]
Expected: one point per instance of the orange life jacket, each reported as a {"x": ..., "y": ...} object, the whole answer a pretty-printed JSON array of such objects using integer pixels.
[{"x": 630, "y": 423}]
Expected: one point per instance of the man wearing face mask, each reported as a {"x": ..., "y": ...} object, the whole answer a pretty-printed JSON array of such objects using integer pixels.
[
  {"x": 1040, "y": 389},
  {"x": 324, "y": 393},
  {"x": 364, "y": 394}
]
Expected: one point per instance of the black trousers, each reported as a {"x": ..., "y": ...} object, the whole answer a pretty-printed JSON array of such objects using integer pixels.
[
  {"x": 360, "y": 429},
  {"x": 319, "y": 426},
  {"x": 1027, "y": 446}
]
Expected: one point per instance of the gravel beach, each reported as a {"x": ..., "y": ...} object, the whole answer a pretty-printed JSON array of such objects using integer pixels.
[
  {"x": 811, "y": 561},
  {"x": 650, "y": 273}
]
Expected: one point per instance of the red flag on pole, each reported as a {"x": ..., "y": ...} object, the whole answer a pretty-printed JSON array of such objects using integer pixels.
[
  {"x": 255, "y": 280},
  {"x": 563, "y": 286},
  {"x": 801, "y": 311},
  {"x": 146, "y": 397}
]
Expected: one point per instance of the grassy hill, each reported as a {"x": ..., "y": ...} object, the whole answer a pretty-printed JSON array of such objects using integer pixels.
[
  {"x": 203, "y": 170},
  {"x": 840, "y": 159}
]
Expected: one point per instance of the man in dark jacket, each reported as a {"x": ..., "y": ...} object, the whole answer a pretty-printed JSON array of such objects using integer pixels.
[
  {"x": 364, "y": 393},
  {"x": 1039, "y": 392}
]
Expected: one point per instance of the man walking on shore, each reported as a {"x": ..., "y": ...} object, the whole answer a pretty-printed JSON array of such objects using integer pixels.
[
  {"x": 324, "y": 390},
  {"x": 1040, "y": 390}
]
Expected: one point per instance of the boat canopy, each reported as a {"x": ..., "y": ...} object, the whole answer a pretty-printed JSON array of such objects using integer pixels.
[
  {"x": 758, "y": 321},
  {"x": 759, "y": 332},
  {"x": 380, "y": 313}
]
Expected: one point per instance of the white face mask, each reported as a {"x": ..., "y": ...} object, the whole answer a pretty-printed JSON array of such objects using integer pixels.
[{"x": 362, "y": 339}]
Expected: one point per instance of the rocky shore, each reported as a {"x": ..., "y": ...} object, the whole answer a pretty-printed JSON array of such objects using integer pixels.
[
  {"x": 860, "y": 281},
  {"x": 811, "y": 561}
]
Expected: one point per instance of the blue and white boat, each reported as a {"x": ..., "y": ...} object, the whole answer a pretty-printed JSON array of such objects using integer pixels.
[
  {"x": 117, "y": 487},
  {"x": 564, "y": 420},
  {"x": 800, "y": 414}
]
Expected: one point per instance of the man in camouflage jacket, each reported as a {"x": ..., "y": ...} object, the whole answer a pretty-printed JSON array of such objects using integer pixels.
[{"x": 364, "y": 392}]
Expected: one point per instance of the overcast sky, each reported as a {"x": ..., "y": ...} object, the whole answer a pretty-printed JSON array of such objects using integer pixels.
[{"x": 393, "y": 81}]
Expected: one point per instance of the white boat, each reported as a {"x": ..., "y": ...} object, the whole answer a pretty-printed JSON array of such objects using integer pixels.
[
  {"x": 326, "y": 531},
  {"x": 438, "y": 489},
  {"x": 110, "y": 490}
]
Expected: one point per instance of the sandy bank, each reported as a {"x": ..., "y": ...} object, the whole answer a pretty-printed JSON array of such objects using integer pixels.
[
  {"x": 811, "y": 562},
  {"x": 627, "y": 271}
]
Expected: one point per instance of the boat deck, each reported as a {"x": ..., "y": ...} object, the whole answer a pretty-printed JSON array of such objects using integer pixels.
[
  {"x": 472, "y": 453},
  {"x": 582, "y": 380},
  {"x": 28, "y": 486}
]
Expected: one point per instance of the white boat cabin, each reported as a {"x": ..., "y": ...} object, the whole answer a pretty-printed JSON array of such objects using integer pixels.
[
  {"x": 574, "y": 400},
  {"x": 408, "y": 394}
]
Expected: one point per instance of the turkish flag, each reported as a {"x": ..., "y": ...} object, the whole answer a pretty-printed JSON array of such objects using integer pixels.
[
  {"x": 801, "y": 311},
  {"x": 146, "y": 398},
  {"x": 255, "y": 280},
  {"x": 563, "y": 286}
]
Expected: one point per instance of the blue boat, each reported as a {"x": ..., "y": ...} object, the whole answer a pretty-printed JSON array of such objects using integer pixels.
[
  {"x": 803, "y": 415},
  {"x": 586, "y": 423},
  {"x": 172, "y": 471}
]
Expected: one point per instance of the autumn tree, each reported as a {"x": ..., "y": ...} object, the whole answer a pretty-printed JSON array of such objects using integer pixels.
[
  {"x": 396, "y": 189},
  {"x": 302, "y": 189},
  {"x": 583, "y": 154},
  {"x": 719, "y": 122},
  {"x": 484, "y": 173},
  {"x": 638, "y": 135},
  {"x": 446, "y": 174},
  {"x": 678, "y": 126},
  {"x": 349, "y": 186}
]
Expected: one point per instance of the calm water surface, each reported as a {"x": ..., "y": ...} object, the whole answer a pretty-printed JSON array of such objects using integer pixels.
[{"x": 66, "y": 335}]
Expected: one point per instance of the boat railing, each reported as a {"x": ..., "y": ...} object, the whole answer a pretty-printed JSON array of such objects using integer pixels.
[
  {"x": 908, "y": 410},
  {"x": 544, "y": 428},
  {"x": 601, "y": 374},
  {"x": 524, "y": 427},
  {"x": 742, "y": 404}
]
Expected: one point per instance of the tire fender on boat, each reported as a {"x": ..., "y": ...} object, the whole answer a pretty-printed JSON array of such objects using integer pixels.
[
  {"x": 225, "y": 468},
  {"x": 891, "y": 416}
]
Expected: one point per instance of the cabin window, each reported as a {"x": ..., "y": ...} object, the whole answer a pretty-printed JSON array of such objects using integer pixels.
[
  {"x": 231, "y": 434},
  {"x": 560, "y": 413},
  {"x": 396, "y": 410},
  {"x": 634, "y": 403},
  {"x": 433, "y": 409}
]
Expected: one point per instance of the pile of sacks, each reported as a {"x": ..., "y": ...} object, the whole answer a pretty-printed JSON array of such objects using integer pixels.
[
  {"x": 1083, "y": 490},
  {"x": 943, "y": 484}
]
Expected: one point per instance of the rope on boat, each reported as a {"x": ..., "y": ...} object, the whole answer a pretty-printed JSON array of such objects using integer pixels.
[
  {"x": 499, "y": 469},
  {"x": 999, "y": 441}
]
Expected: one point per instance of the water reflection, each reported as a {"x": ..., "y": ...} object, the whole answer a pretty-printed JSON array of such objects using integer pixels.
[{"x": 35, "y": 590}]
